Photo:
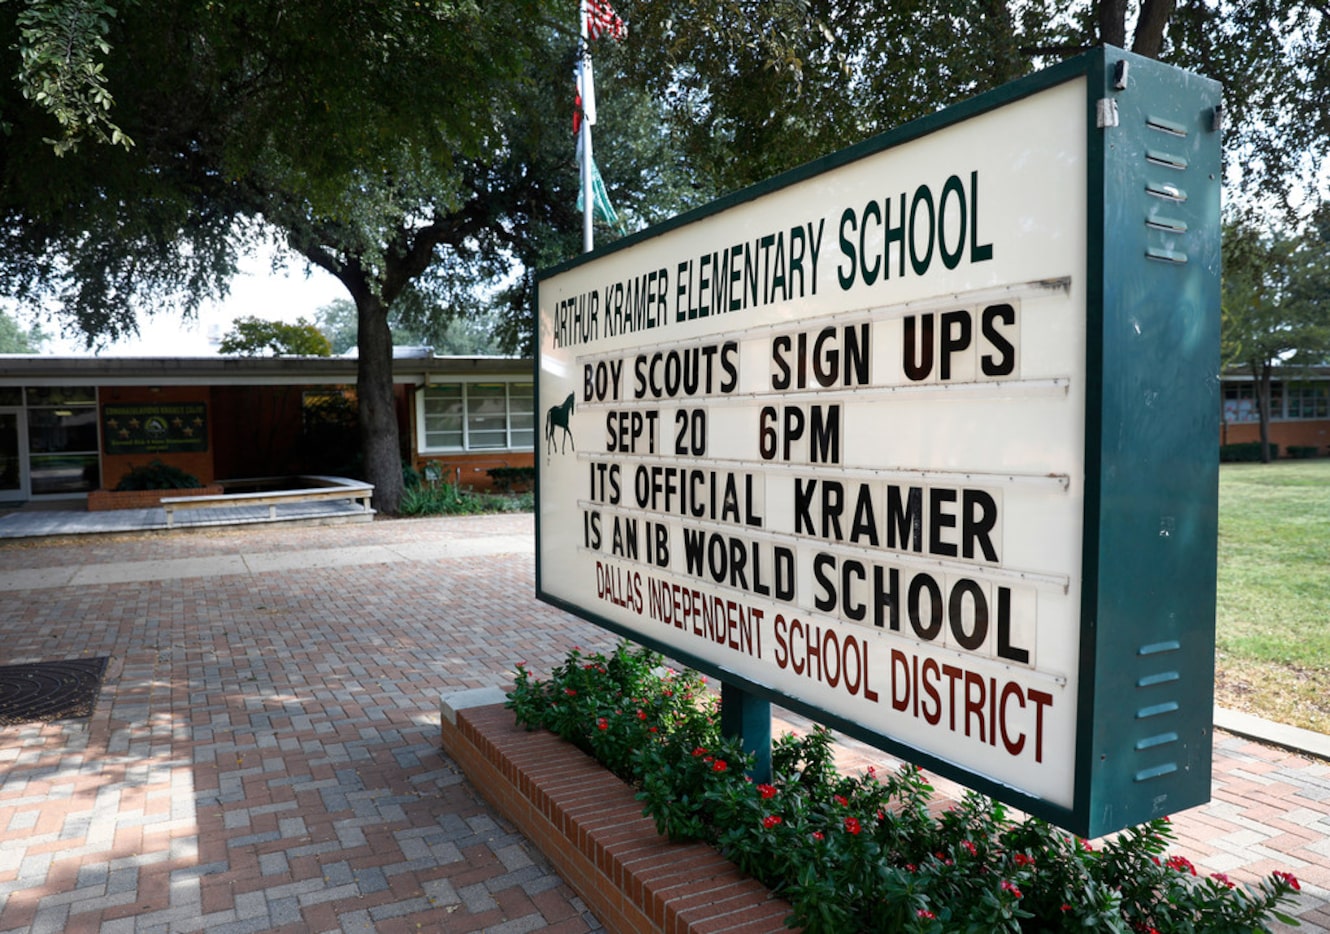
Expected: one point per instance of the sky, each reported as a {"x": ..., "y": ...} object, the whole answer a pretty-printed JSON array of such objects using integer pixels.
[{"x": 255, "y": 291}]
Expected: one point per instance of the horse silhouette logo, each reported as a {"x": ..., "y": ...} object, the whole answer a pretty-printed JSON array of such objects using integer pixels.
[{"x": 557, "y": 417}]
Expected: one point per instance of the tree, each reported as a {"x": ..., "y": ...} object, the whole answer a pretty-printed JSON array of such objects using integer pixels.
[
  {"x": 1276, "y": 304},
  {"x": 329, "y": 123},
  {"x": 255, "y": 337},
  {"x": 333, "y": 124},
  {"x": 13, "y": 339},
  {"x": 755, "y": 87}
]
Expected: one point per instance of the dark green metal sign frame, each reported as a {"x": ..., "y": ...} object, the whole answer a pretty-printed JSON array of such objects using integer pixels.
[
  {"x": 1145, "y": 688},
  {"x": 1152, "y": 436}
]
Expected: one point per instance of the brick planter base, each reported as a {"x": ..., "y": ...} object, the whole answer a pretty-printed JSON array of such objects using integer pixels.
[
  {"x": 100, "y": 500},
  {"x": 588, "y": 824}
]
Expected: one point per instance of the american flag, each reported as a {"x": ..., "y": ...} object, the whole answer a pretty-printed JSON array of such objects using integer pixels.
[{"x": 601, "y": 20}]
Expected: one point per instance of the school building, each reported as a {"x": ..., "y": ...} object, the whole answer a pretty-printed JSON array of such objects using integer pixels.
[
  {"x": 1299, "y": 411},
  {"x": 72, "y": 425}
]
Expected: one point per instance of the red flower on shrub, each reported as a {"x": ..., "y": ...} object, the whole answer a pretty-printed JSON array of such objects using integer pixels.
[
  {"x": 1181, "y": 864},
  {"x": 766, "y": 791},
  {"x": 817, "y": 835},
  {"x": 1021, "y": 859},
  {"x": 699, "y": 751},
  {"x": 841, "y": 800},
  {"x": 641, "y": 714},
  {"x": 602, "y": 724},
  {"x": 970, "y": 848},
  {"x": 926, "y": 914},
  {"x": 1011, "y": 887},
  {"x": 570, "y": 692},
  {"x": 771, "y": 820},
  {"x": 1289, "y": 878},
  {"x": 719, "y": 766},
  {"x": 852, "y": 825},
  {"x": 1222, "y": 879}
]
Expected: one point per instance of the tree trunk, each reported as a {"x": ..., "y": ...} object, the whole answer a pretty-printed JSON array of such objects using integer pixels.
[
  {"x": 999, "y": 32},
  {"x": 379, "y": 440},
  {"x": 1263, "y": 373},
  {"x": 1149, "y": 38},
  {"x": 1113, "y": 22}
]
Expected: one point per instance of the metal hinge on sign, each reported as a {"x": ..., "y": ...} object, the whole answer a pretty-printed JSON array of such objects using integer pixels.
[{"x": 1106, "y": 112}]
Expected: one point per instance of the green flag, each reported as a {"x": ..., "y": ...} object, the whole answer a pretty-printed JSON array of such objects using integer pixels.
[{"x": 600, "y": 199}]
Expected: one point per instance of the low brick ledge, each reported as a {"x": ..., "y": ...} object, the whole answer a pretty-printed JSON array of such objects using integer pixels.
[{"x": 589, "y": 825}]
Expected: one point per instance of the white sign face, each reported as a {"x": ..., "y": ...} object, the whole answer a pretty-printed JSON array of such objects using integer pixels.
[{"x": 831, "y": 440}]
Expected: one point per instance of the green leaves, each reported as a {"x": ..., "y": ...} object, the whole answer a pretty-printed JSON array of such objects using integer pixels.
[
  {"x": 255, "y": 337},
  {"x": 61, "y": 46},
  {"x": 866, "y": 853},
  {"x": 13, "y": 339}
]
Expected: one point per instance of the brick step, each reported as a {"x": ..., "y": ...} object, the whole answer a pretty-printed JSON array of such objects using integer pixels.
[{"x": 588, "y": 824}]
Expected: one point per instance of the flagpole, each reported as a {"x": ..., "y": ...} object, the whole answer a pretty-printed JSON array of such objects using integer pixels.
[{"x": 588, "y": 196}]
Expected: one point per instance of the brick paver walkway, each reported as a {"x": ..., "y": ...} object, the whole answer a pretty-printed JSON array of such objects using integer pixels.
[{"x": 265, "y": 752}]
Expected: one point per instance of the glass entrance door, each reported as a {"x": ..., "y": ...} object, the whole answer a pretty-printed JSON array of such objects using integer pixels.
[{"x": 13, "y": 457}]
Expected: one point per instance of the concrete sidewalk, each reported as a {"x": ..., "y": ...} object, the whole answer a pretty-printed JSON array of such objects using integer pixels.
[{"x": 264, "y": 755}]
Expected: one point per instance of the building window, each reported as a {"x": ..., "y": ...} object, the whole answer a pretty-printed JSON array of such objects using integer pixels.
[
  {"x": 444, "y": 408},
  {"x": 477, "y": 416},
  {"x": 329, "y": 431},
  {"x": 1240, "y": 403},
  {"x": 1309, "y": 400},
  {"x": 62, "y": 439}
]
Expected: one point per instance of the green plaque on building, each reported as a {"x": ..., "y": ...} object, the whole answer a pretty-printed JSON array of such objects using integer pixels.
[{"x": 154, "y": 429}]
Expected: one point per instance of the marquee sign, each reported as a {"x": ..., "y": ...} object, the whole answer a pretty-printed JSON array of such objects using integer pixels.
[{"x": 921, "y": 440}]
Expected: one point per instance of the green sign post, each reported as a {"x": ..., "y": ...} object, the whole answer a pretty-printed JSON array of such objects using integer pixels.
[{"x": 921, "y": 440}]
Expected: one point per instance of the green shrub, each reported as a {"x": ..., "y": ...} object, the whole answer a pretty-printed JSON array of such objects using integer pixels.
[
  {"x": 158, "y": 476},
  {"x": 1247, "y": 452},
  {"x": 1303, "y": 450},
  {"x": 865, "y": 853},
  {"x": 445, "y": 499},
  {"x": 410, "y": 476}
]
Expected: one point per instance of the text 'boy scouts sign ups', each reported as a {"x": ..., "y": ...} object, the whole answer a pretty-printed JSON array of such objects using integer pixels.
[{"x": 921, "y": 440}]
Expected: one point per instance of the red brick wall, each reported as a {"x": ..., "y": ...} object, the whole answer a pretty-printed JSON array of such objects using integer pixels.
[
  {"x": 101, "y": 500},
  {"x": 590, "y": 826},
  {"x": 468, "y": 470},
  {"x": 1285, "y": 434}
]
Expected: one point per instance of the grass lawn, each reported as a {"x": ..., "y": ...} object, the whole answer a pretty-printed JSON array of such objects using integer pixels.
[{"x": 1273, "y": 626}]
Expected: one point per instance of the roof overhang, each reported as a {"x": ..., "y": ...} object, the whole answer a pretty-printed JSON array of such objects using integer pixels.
[{"x": 193, "y": 371}]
